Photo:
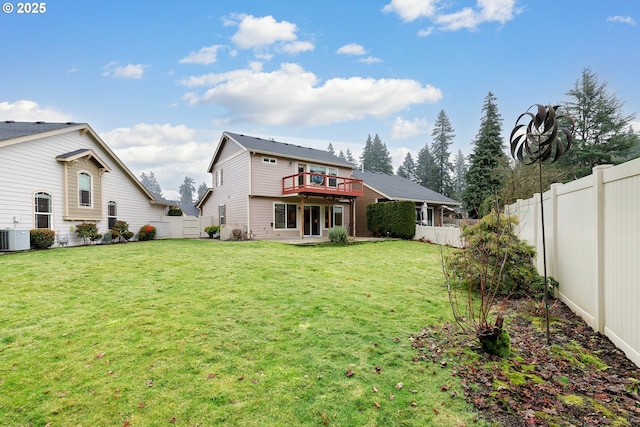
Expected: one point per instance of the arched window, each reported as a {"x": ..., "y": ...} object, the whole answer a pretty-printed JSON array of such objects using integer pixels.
[
  {"x": 42, "y": 209},
  {"x": 112, "y": 213},
  {"x": 84, "y": 187}
]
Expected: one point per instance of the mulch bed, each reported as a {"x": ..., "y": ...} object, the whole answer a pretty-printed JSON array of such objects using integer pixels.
[{"x": 581, "y": 379}]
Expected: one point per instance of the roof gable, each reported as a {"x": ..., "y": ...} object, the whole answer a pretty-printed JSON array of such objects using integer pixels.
[
  {"x": 82, "y": 153},
  {"x": 395, "y": 187}
]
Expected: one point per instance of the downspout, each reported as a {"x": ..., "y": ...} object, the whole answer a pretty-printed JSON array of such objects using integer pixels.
[{"x": 250, "y": 194}]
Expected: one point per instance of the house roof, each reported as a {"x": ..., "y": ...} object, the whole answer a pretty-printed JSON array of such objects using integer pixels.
[
  {"x": 12, "y": 132},
  {"x": 395, "y": 187},
  {"x": 10, "y": 129},
  {"x": 84, "y": 152},
  {"x": 283, "y": 149}
]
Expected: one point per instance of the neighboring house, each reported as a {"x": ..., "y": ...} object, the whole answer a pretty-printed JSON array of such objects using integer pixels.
[
  {"x": 431, "y": 207},
  {"x": 265, "y": 189},
  {"x": 57, "y": 175}
]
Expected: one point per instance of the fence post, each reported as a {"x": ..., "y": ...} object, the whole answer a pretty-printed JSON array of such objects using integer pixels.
[
  {"x": 553, "y": 231},
  {"x": 598, "y": 188}
]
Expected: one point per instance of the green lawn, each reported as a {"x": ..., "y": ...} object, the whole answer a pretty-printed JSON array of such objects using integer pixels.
[{"x": 202, "y": 332}]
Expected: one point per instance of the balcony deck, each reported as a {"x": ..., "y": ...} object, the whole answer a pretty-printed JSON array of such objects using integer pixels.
[{"x": 319, "y": 184}]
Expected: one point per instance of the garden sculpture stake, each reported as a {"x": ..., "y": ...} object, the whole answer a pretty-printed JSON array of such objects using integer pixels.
[{"x": 541, "y": 140}]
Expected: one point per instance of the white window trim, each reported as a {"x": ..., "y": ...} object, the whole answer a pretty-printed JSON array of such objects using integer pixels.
[
  {"x": 35, "y": 212},
  {"x": 286, "y": 217},
  {"x": 80, "y": 205},
  {"x": 333, "y": 214},
  {"x": 269, "y": 160}
]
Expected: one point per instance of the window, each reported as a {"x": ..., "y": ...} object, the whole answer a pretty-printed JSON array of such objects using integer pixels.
[
  {"x": 333, "y": 182},
  {"x": 219, "y": 178},
  {"x": 222, "y": 213},
  {"x": 112, "y": 214},
  {"x": 84, "y": 186},
  {"x": 285, "y": 216},
  {"x": 42, "y": 208},
  {"x": 336, "y": 219},
  {"x": 269, "y": 160},
  {"x": 318, "y": 173}
]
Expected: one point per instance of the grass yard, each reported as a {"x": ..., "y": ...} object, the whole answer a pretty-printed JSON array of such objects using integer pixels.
[{"x": 202, "y": 332}]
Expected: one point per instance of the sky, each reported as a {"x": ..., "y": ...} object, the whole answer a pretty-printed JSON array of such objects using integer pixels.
[{"x": 161, "y": 81}]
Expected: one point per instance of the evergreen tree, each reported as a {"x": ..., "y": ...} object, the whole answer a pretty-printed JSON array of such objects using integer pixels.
[
  {"x": 602, "y": 130},
  {"x": 487, "y": 163},
  {"x": 330, "y": 149},
  {"x": 459, "y": 172},
  {"x": 443, "y": 135},
  {"x": 187, "y": 189},
  {"x": 341, "y": 155},
  {"x": 376, "y": 157},
  {"x": 426, "y": 171},
  {"x": 202, "y": 189},
  {"x": 408, "y": 168},
  {"x": 349, "y": 157},
  {"x": 151, "y": 184}
]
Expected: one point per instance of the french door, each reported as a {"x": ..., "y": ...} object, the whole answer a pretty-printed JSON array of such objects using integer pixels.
[{"x": 312, "y": 221}]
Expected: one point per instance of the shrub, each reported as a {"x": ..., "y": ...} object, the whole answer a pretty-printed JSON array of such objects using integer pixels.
[
  {"x": 174, "y": 211},
  {"x": 88, "y": 231},
  {"x": 236, "y": 234},
  {"x": 42, "y": 238},
  {"x": 338, "y": 234},
  {"x": 392, "y": 219},
  {"x": 212, "y": 230},
  {"x": 120, "y": 230},
  {"x": 147, "y": 232}
]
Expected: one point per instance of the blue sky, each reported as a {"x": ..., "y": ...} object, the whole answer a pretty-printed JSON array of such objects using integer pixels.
[{"x": 160, "y": 81}]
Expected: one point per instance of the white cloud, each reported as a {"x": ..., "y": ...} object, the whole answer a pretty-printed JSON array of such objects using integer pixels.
[
  {"x": 257, "y": 32},
  {"x": 293, "y": 96},
  {"x": 622, "y": 19},
  {"x": 72, "y": 70},
  {"x": 407, "y": 128},
  {"x": 206, "y": 55},
  {"x": 297, "y": 47},
  {"x": 129, "y": 71},
  {"x": 30, "y": 111},
  {"x": 410, "y": 10},
  {"x": 500, "y": 11},
  {"x": 370, "y": 60},
  {"x": 351, "y": 49},
  {"x": 171, "y": 152}
]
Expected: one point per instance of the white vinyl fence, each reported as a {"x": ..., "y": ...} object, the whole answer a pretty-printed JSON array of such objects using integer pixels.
[
  {"x": 182, "y": 227},
  {"x": 593, "y": 248},
  {"x": 449, "y": 236}
]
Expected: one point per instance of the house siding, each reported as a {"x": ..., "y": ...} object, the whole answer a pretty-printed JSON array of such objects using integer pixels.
[
  {"x": 234, "y": 191},
  {"x": 369, "y": 197},
  {"x": 31, "y": 166}
]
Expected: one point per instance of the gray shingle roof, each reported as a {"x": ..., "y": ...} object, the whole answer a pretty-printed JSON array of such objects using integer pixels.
[
  {"x": 267, "y": 146},
  {"x": 10, "y": 129},
  {"x": 396, "y": 187}
]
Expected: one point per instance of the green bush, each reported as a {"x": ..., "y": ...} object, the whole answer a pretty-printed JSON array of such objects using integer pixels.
[
  {"x": 174, "y": 211},
  {"x": 211, "y": 230},
  {"x": 147, "y": 232},
  {"x": 490, "y": 241},
  {"x": 88, "y": 231},
  {"x": 392, "y": 219},
  {"x": 338, "y": 234},
  {"x": 42, "y": 238},
  {"x": 120, "y": 230}
]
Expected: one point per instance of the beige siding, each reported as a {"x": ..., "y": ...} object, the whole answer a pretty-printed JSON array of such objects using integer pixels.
[
  {"x": 234, "y": 191},
  {"x": 369, "y": 197},
  {"x": 74, "y": 210},
  {"x": 267, "y": 177}
]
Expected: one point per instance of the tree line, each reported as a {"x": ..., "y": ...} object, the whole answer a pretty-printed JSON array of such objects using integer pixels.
[{"x": 603, "y": 135}]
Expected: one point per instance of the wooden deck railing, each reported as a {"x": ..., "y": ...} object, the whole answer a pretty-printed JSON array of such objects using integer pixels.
[{"x": 314, "y": 183}]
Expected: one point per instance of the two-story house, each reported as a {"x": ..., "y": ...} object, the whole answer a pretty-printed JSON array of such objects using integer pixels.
[{"x": 266, "y": 189}]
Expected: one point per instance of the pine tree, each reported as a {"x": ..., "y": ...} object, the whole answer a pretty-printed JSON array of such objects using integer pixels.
[
  {"x": 341, "y": 155},
  {"x": 602, "y": 130},
  {"x": 187, "y": 189},
  {"x": 375, "y": 156},
  {"x": 487, "y": 163},
  {"x": 151, "y": 184},
  {"x": 349, "y": 157},
  {"x": 443, "y": 135},
  {"x": 426, "y": 172},
  {"x": 459, "y": 172},
  {"x": 202, "y": 189},
  {"x": 330, "y": 149},
  {"x": 408, "y": 168}
]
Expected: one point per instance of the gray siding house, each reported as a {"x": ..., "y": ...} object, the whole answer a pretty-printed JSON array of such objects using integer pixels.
[{"x": 57, "y": 175}]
